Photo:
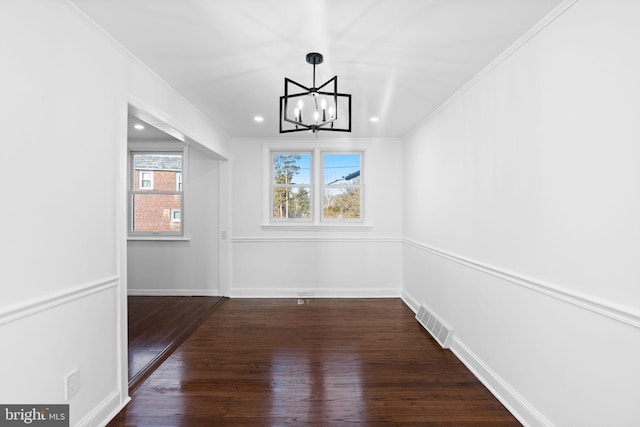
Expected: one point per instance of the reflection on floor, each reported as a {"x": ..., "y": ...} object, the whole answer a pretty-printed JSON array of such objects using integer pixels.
[
  {"x": 313, "y": 362},
  {"x": 157, "y": 326}
]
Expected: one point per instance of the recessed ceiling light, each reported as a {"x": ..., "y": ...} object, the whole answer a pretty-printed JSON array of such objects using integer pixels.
[
  {"x": 138, "y": 126},
  {"x": 374, "y": 119},
  {"x": 258, "y": 119}
]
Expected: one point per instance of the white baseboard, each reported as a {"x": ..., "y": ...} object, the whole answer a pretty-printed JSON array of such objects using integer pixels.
[
  {"x": 514, "y": 402},
  {"x": 174, "y": 292},
  {"x": 104, "y": 412},
  {"x": 315, "y": 293},
  {"x": 410, "y": 301}
]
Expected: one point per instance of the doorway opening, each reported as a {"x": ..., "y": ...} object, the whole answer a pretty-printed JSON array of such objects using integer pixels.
[{"x": 169, "y": 293}]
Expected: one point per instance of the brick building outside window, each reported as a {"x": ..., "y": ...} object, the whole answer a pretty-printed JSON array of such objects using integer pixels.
[{"x": 156, "y": 194}]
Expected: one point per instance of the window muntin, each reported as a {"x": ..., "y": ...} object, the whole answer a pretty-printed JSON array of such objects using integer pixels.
[
  {"x": 155, "y": 202},
  {"x": 319, "y": 186},
  {"x": 291, "y": 189},
  {"x": 342, "y": 186}
]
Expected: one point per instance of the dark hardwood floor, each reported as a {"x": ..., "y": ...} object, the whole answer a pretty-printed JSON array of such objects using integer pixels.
[
  {"x": 327, "y": 362},
  {"x": 157, "y": 326}
]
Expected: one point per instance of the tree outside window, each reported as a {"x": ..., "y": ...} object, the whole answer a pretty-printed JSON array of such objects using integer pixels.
[
  {"x": 342, "y": 189},
  {"x": 316, "y": 186},
  {"x": 291, "y": 186}
]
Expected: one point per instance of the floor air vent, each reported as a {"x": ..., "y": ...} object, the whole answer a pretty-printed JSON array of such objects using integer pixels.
[{"x": 438, "y": 329}]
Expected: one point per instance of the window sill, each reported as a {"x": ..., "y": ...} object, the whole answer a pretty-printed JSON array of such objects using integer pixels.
[
  {"x": 318, "y": 227},
  {"x": 158, "y": 238}
]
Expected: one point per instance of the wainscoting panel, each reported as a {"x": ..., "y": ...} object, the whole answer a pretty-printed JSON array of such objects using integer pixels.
[
  {"x": 316, "y": 267},
  {"x": 73, "y": 329},
  {"x": 546, "y": 353}
]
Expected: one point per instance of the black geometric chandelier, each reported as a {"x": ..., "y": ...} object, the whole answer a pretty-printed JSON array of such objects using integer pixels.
[{"x": 314, "y": 108}]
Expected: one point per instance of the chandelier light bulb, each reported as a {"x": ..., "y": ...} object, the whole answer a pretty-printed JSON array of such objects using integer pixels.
[
  {"x": 300, "y": 106},
  {"x": 316, "y": 116}
]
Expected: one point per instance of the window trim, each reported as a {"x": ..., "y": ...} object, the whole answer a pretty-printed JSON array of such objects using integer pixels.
[
  {"x": 316, "y": 223},
  {"x": 157, "y": 148}
]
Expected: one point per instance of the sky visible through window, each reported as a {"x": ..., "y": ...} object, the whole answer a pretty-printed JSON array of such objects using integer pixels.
[
  {"x": 304, "y": 173},
  {"x": 336, "y": 166}
]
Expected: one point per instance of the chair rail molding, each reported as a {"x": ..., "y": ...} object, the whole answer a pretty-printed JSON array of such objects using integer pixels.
[
  {"x": 587, "y": 302},
  {"x": 319, "y": 239},
  {"x": 46, "y": 302}
]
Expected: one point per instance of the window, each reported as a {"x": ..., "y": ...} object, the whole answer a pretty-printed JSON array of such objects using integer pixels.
[
  {"x": 315, "y": 187},
  {"x": 146, "y": 180},
  {"x": 291, "y": 186},
  {"x": 341, "y": 188},
  {"x": 156, "y": 194}
]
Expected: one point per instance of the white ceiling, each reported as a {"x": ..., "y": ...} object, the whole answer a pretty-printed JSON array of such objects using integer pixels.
[
  {"x": 400, "y": 59},
  {"x": 147, "y": 132}
]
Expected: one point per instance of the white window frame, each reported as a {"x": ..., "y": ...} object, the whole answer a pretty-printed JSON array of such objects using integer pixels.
[
  {"x": 158, "y": 148},
  {"x": 316, "y": 222},
  {"x": 179, "y": 179},
  {"x": 173, "y": 215}
]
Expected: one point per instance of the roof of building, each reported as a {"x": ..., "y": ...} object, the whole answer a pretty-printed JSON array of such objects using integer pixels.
[{"x": 168, "y": 162}]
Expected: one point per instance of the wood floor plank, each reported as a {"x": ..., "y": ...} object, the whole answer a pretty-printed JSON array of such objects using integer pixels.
[
  {"x": 328, "y": 362},
  {"x": 159, "y": 324}
]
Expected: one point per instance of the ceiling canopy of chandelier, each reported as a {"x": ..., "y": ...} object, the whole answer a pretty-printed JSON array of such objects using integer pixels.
[{"x": 314, "y": 108}]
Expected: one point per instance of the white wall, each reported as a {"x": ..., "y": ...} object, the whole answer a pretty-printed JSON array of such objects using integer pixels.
[
  {"x": 185, "y": 267},
  {"x": 520, "y": 215},
  {"x": 63, "y": 120},
  {"x": 326, "y": 263},
  {"x": 525, "y": 237}
]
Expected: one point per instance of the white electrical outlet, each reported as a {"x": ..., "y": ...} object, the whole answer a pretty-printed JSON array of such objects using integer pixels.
[{"x": 72, "y": 384}]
